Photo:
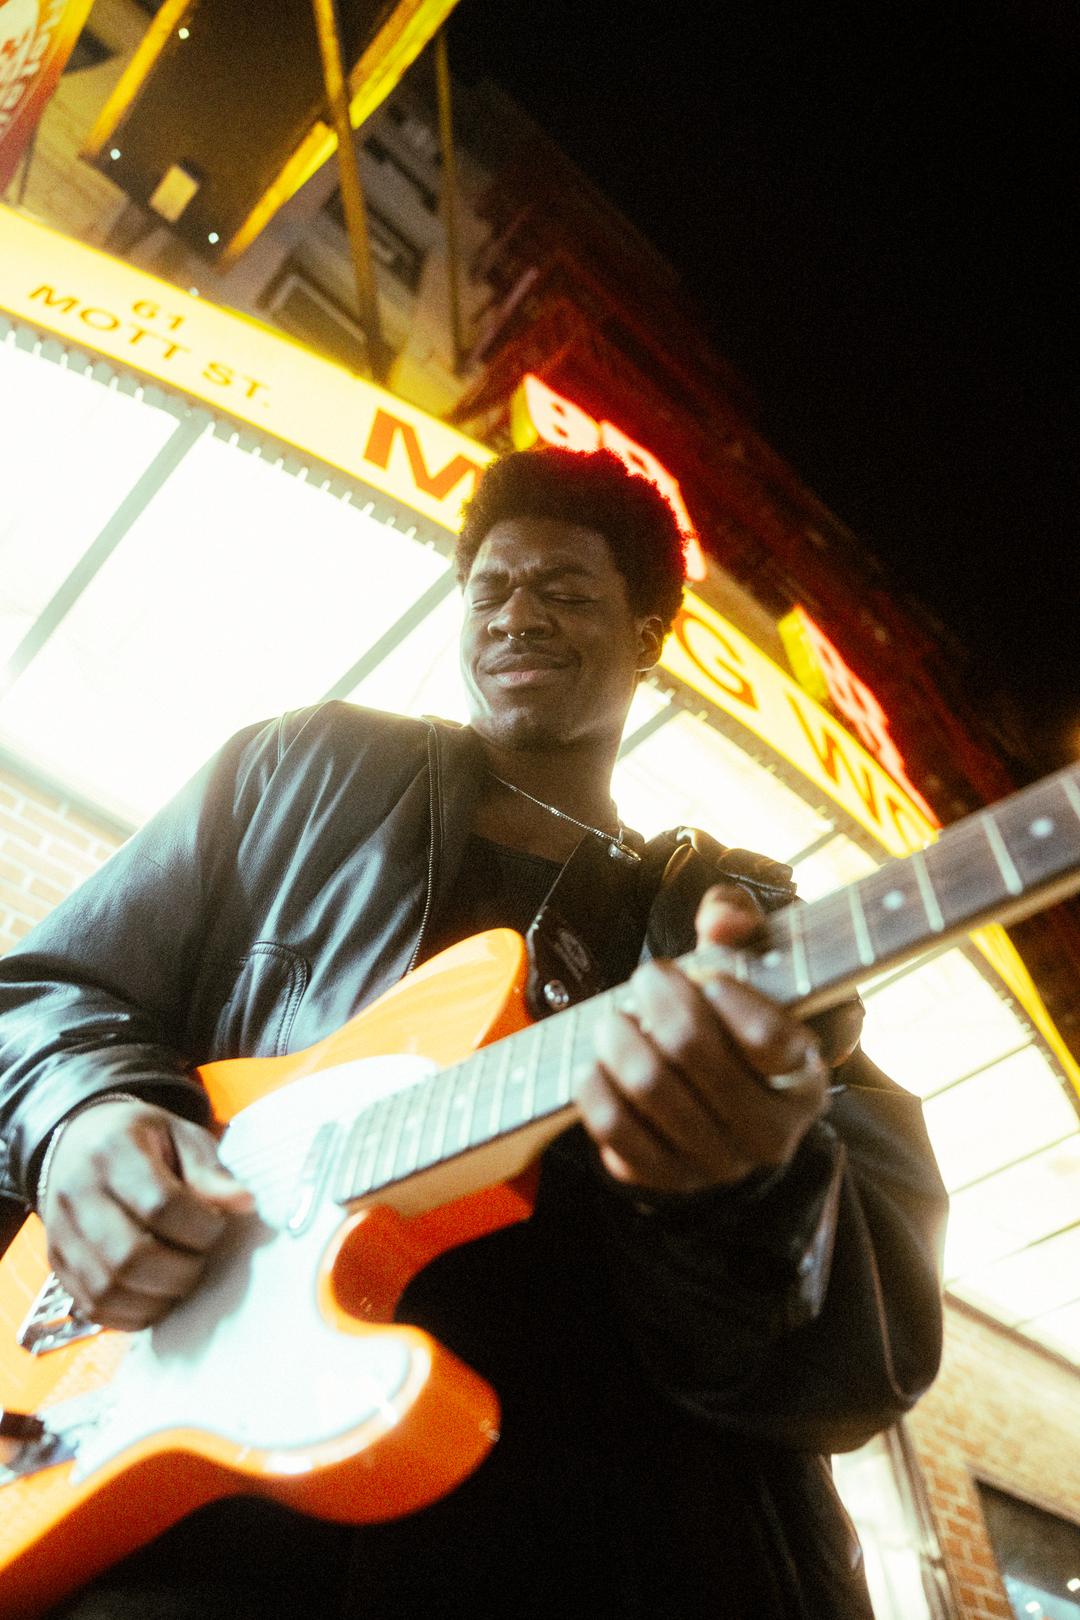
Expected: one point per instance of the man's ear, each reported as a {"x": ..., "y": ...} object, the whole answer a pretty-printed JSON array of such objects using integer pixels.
[{"x": 650, "y": 643}]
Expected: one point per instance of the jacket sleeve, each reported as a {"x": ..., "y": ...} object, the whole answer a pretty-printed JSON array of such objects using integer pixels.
[
  {"x": 94, "y": 999},
  {"x": 803, "y": 1309}
]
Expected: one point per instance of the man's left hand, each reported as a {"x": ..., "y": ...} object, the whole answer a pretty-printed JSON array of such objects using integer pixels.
[{"x": 705, "y": 1084}]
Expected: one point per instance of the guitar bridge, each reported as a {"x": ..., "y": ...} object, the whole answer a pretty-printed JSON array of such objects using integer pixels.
[
  {"x": 40, "y": 1451},
  {"x": 52, "y": 1321}
]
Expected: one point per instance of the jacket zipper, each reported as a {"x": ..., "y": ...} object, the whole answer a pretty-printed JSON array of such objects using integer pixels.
[{"x": 436, "y": 821}]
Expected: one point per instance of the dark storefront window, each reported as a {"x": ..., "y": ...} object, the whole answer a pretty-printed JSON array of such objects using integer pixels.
[{"x": 1038, "y": 1555}]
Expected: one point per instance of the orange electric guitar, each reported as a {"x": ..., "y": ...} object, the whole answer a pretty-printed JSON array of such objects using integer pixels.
[{"x": 392, "y": 1140}]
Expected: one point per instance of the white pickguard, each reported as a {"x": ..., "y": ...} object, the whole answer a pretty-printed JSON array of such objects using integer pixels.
[{"x": 249, "y": 1356}]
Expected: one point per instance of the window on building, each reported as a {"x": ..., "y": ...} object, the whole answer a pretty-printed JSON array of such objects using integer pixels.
[
  {"x": 314, "y": 317},
  {"x": 380, "y": 153},
  {"x": 391, "y": 250},
  {"x": 1037, "y": 1553},
  {"x": 88, "y": 52},
  {"x": 879, "y": 1487},
  {"x": 417, "y": 132}
]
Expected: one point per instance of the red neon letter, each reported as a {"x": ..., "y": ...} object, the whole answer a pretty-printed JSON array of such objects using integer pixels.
[
  {"x": 544, "y": 414},
  {"x": 644, "y": 462}
]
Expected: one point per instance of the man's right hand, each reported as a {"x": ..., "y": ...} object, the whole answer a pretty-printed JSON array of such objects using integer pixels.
[{"x": 134, "y": 1201}]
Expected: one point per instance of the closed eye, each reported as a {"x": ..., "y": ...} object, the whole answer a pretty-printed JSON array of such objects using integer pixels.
[{"x": 485, "y": 604}]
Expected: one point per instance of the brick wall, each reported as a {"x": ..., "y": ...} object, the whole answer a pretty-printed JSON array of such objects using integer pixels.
[
  {"x": 48, "y": 844},
  {"x": 1005, "y": 1412}
]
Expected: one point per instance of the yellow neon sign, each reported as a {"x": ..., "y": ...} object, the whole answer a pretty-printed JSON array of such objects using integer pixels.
[
  {"x": 262, "y": 378},
  {"x": 236, "y": 365},
  {"x": 707, "y": 653},
  {"x": 825, "y": 673}
]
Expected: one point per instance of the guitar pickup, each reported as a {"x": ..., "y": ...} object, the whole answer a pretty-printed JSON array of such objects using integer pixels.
[{"x": 52, "y": 1320}]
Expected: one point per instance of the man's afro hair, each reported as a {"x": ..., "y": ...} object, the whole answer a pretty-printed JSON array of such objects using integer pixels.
[{"x": 595, "y": 490}]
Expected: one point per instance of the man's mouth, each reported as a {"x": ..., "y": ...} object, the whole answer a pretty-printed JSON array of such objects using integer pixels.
[
  {"x": 526, "y": 668},
  {"x": 517, "y": 675}
]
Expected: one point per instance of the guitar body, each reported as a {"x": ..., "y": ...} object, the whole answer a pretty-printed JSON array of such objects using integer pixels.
[{"x": 284, "y": 1374}]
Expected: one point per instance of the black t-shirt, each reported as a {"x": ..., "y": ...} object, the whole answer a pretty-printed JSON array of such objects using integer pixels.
[{"x": 497, "y": 887}]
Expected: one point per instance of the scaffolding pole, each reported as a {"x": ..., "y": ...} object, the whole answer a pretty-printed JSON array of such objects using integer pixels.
[
  {"x": 450, "y": 195},
  {"x": 352, "y": 191}
]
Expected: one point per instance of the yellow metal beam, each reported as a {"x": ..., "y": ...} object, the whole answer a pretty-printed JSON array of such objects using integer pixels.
[
  {"x": 134, "y": 76},
  {"x": 409, "y": 28},
  {"x": 327, "y": 24},
  {"x": 450, "y": 195}
]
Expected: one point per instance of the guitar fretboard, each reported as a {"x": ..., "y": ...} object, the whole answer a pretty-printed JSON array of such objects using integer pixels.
[{"x": 1003, "y": 862}]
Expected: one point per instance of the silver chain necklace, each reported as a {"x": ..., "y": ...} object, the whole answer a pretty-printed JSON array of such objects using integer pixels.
[{"x": 616, "y": 846}]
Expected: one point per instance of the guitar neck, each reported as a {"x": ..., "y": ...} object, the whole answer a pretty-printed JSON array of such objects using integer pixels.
[{"x": 1001, "y": 863}]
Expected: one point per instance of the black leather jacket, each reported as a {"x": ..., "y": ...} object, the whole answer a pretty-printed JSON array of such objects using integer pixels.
[{"x": 718, "y": 1345}]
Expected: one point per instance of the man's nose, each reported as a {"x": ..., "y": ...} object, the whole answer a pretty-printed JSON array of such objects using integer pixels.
[{"x": 521, "y": 614}]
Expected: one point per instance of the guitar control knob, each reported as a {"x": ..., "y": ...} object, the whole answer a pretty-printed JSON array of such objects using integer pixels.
[
  {"x": 20, "y": 1426},
  {"x": 17, "y": 1430}
]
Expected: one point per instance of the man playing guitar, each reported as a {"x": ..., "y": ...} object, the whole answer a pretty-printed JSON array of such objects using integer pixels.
[{"x": 730, "y": 1269}]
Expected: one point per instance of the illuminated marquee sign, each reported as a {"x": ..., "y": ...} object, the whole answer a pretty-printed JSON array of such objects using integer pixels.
[
  {"x": 235, "y": 365},
  {"x": 707, "y": 653},
  {"x": 538, "y": 412},
  {"x": 36, "y": 39},
  {"x": 822, "y": 670},
  {"x": 710, "y": 655}
]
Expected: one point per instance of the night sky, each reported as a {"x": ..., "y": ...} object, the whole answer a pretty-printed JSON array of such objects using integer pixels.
[{"x": 873, "y": 206}]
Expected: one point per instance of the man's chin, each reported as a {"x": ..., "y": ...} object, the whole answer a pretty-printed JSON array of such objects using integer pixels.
[{"x": 520, "y": 732}]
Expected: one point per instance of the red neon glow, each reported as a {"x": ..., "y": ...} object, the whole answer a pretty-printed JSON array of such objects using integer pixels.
[
  {"x": 559, "y": 421},
  {"x": 852, "y": 698}
]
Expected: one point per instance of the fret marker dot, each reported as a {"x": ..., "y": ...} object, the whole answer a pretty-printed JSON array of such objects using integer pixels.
[
  {"x": 893, "y": 900},
  {"x": 1041, "y": 828},
  {"x": 770, "y": 959}
]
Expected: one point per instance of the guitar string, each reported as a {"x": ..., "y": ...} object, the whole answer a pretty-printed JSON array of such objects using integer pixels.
[
  {"x": 275, "y": 1159},
  {"x": 286, "y": 1154}
]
